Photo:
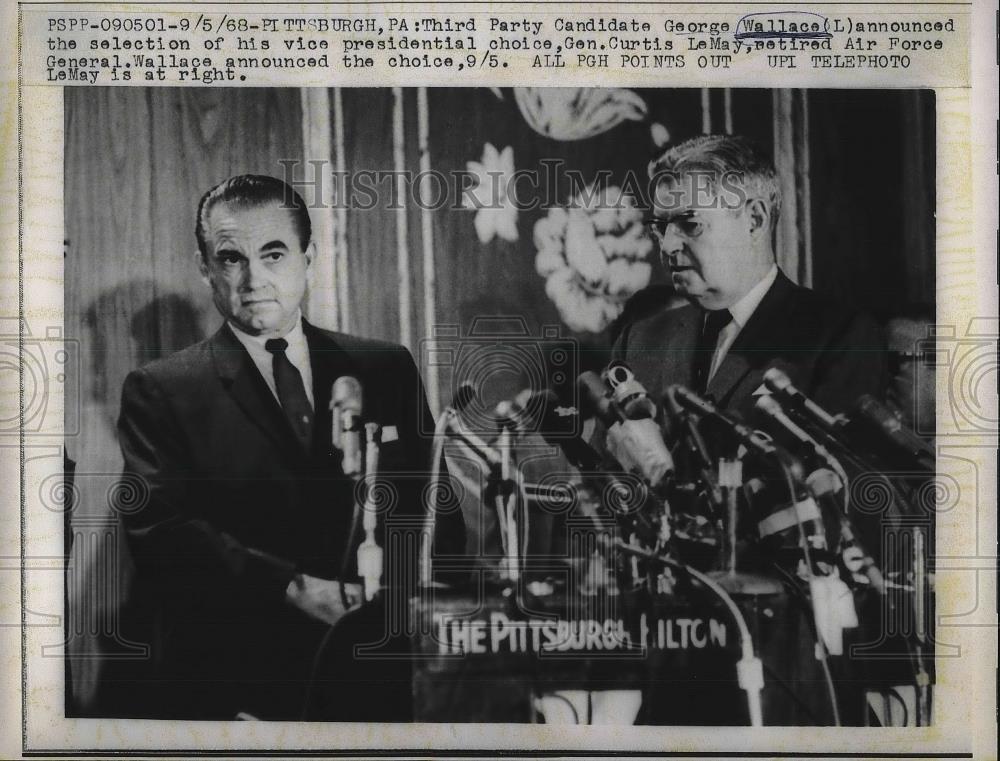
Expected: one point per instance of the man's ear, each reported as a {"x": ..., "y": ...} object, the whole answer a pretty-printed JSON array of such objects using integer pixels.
[
  {"x": 310, "y": 254},
  {"x": 759, "y": 215},
  {"x": 202, "y": 267}
]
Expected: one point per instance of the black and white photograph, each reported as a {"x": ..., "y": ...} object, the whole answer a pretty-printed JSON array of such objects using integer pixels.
[{"x": 535, "y": 405}]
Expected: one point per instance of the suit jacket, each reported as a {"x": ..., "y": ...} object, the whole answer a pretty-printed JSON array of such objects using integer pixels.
[
  {"x": 237, "y": 505},
  {"x": 831, "y": 353}
]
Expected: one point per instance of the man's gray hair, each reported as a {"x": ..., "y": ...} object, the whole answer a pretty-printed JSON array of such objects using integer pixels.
[{"x": 734, "y": 158}]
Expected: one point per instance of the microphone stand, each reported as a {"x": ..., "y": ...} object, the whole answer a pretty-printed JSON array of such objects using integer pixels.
[
  {"x": 699, "y": 451},
  {"x": 919, "y": 604},
  {"x": 730, "y": 480},
  {"x": 506, "y": 505},
  {"x": 347, "y": 423},
  {"x": 749, "y": 669},
  {"x": 500, "y": 482},
  {"x": 369, "y": 552},
  {"x": 919, "y": 564},
  {"x": 730, "y": 474},
  {"x": 430, "y": 516}
]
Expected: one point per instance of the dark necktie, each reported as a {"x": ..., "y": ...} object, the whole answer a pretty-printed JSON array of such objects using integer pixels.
[
  {"x": 291, "y": 391},
  {"x": 705, "y": 350}
]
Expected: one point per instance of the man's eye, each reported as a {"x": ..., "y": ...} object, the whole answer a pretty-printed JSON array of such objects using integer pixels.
[
  {"x": 228, "y": 259},
  {"x": 690, "y": 226},
  {"x": 274, "y": 256}
]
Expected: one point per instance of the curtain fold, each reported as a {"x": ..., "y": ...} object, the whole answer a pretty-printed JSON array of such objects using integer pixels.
[{"x": 793, "y": 244}]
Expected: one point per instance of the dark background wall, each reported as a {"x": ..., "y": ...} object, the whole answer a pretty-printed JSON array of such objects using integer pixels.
[{"x": 873, "y": 170}]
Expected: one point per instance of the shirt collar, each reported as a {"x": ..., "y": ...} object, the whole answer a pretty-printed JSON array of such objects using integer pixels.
[
  {"x": 255, "y": 344},
  {"x": 743, "y": 309}
]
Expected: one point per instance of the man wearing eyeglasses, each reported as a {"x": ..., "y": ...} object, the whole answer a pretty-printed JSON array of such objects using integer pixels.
[
  {"x": 715, "y": 210},
  {"x": 714, "y": 213}
]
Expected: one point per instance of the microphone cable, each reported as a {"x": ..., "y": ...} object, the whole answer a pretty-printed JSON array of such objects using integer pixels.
[
  {"x": 352, "y": 533},
  {"x": 324, "y": 643},
  {"x": 430, "y": 518},
  {"x": 749, "y": 669},
  {"x": 317, "y": 661},
  {"x": 821, "y": 647},
  {"x": 902, "y": 503}
]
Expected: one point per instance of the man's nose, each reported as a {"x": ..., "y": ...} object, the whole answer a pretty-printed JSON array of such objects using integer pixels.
[
  {"x": 254, "y": 276},
  {"x": 672, "y": 248}
]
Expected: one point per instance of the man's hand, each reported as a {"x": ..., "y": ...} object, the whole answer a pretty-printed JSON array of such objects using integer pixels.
[{"x": 320, "y": 598}]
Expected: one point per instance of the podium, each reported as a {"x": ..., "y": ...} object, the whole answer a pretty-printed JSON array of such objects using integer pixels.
[{"x": 483, "y": 655}]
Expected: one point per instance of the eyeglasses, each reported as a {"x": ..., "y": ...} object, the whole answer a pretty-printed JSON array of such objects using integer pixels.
[
  {"x": 687, "y": 224},
  {"x": 927, "y": 358}
]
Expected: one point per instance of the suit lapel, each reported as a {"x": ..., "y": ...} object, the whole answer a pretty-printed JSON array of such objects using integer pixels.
[
  {"x": 240, "y": 376},
  {"x": 754, "y": 344},
  {"x": 329, "y": 361}
]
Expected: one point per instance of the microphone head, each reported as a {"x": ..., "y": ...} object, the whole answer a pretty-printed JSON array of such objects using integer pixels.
[
  {"x": 639, "y": 408},
  {"x": 627, "y": 392},
  {"x": 593, "y": 398},
  {"x": 824, "y": 481},
  {"x": 869, "y": 407},
  {"x": 769, "y": 405},
  {"x": 670, "y": 400},
  {"x": 346, "y": 394},
  {"x": 777, "y": 380},
  {"x": 465, "y": 396},
  {"x": 691, "y": 401},
  {"x": 617, "y": 374},
  {"x": 345, "y": 402},
  {"x": 553, "y": 419},
  {"x": 540, "y": 412},
  {"x": 589, "y": 383},
  {"x": 509, "y": 414},
  {"x": 904, "y": 446}
]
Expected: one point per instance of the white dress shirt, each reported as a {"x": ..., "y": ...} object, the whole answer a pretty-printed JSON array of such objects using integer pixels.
[
  {"x": 297, "y": 353},
  {"x": 741, "y": 312}
]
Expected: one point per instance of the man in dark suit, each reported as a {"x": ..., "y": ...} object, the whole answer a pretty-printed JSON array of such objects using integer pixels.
[
  {"x": 244, "y": 537},
  {"x": 715, "y": 209}
]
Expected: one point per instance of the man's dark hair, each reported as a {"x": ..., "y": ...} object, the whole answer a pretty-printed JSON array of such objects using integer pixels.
[
  {"x": 251, "y": 191},
  {"x": 717, "y": 156}
]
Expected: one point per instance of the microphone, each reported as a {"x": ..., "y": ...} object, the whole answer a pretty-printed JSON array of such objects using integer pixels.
[
  {"x": 628, "y": 393},
  {"x": 510, "y": 415},
  {"x": 752, "y": 440},
  {"x": 779, "y": 383},
  {"x": 906, "y": 443},
  {"x": 369, "y": 552},
  {"x": 899, "y": 446},
  {"x": 688, "y": 429},
  {"x": 345, "y": 404},
  {"x": 560, "y": 425},
  {"x": 687, "y": 433},
  {"x": 465, "y": 395},
  {"x": 772, "y": 408},
  {"x": 823, "y": 482},
  {"x": 634, "y": 432},
  {"x": 594, "y": 399}
]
